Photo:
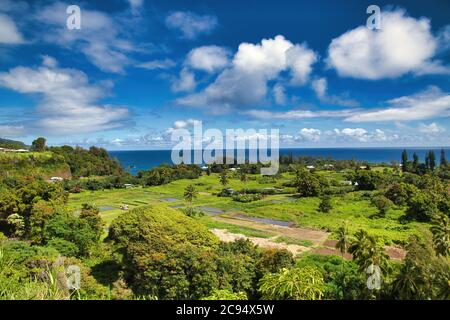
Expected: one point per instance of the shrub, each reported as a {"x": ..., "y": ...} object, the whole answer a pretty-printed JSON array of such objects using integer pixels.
[{"x": 245, "y": 198}]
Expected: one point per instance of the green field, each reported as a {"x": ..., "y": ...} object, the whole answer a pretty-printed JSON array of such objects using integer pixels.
[{"x": 354, "y": 207}]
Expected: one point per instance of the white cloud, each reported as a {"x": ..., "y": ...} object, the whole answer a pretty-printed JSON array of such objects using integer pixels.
[
  {"x": 101, "y": 37},
  {"x": 361, "y": 135},
  {"x": 68, "y": 100},
  {"x": 9, "y": 34},
  {"x": 310, "y": 134},
  {"x": 246, "y": 81},
  {"x": 432, "y": 128},
  {"x": 181, "y": 124},
  {"x": 208, "y": 58},
  {"x": 11, "y": 130},
  {"x": 424, "y": 105},
  {"x": 186, "y": 81},
  {"x": 404, "y": 44},
  {"x": 191, "y": 24},
  {"x": 300, "y": 60},
  {"x": 157, "y": 64},
  {"x": 320, "y": 87},
  {"x": 298, "y": 114},
  {"x": 279, "y": 94}
]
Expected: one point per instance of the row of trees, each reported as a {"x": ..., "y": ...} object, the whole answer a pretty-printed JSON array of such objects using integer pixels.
[{"x": 415, "y": 166}]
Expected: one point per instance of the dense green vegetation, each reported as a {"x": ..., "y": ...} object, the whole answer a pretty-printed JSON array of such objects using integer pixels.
[{"x": 177, "y": 232}]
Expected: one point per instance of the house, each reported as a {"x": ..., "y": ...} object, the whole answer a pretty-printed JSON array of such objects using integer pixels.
[
  {"x": 363, "y": 167},
  {"x": 56, "y": 179},
  {"x": 347, "y": 183},
  {"x": 128, "y": 185},
  {"x": 204, "y": 168},
  {"x": 233, "y": 169},
  {"x": 21, "y": 150},
  {"x": 124, "y": 207},
  {"x": 2, "y": 150},
  {"x": 328, "y": 166},
  {"x": 310, "y": 167}
]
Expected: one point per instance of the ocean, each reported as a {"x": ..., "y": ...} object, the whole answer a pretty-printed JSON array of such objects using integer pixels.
[{"x": 137, "y": 160}]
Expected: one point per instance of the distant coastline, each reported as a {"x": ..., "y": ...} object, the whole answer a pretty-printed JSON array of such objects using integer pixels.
[{"x": 137, "y": 160}]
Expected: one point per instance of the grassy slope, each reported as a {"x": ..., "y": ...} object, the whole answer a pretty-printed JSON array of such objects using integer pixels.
[
  {"x": 45, "y": 164},
  {"x": 352, "y": 207}
]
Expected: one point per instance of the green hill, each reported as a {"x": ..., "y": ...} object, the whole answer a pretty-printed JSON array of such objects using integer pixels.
[{"x": 12, "y": 144}]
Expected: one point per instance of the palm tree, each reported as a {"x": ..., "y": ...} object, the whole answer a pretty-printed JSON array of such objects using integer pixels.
[
  {"x": 223, "y": 178},
  {"x": 404, "y": 286},
  {"x": 441, "y": 234},
  {"x": 244, "y": 178},
  {"x": 189, "y": 194},
  {"x": 343, "y": 240}
]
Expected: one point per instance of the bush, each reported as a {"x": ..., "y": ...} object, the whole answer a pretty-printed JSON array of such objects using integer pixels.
[
  {"x": 166, "y": 254},
  {"x": 325, "y": 204},
  {"x": 64, "y": 247},
  {"x": 245, "y": 198}
]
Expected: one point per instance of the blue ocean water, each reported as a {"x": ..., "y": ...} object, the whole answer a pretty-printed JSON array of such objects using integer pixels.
[{"x": 138, "y": 160}]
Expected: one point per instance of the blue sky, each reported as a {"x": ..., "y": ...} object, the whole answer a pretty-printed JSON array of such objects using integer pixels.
[{"x": 137, "y": 69}]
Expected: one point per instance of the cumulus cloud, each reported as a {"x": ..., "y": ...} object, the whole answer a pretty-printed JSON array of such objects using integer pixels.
[
  {"x": 310, "y": 134},
  {"x": 68, "y": 102},
  {"x": 432, "y": 128},
  {"x": 427, "y": 104},
  {"x": 208, "y": 58},
  {"x": 185, "y": 82},
  {"x": 320, "y": 87},
  {"x": 101, "y": 37},
  {"x": 157, "y": 64},
  {"x": 245, "y": 82},
  {"x": 361, "y": 135},
  {"x": 402, "y": 45},
  {"x": 190, "y": 24},
  {"x": 9, "y": 33}
]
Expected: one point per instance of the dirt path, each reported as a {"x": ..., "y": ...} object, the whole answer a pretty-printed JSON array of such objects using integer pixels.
[
  {"x": 226, "y": 236},
  {"x": 317, "y": 237},
  {"x": 320, "y": 245}
]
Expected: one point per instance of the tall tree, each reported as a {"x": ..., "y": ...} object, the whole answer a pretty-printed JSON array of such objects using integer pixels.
[
  {"x": 404, "y": 161},
  {"x": 343, "y": 240},
  {"x": 415, "y": 163},
  {"x": 189, "y": 194},
  {"x": 441, "y": 234},
  {"x": 432, "y": 160},
  {"x": 443, "y": 161},
  {"x": 223, "y": 178},
  {"x": 38, "y": 144}
]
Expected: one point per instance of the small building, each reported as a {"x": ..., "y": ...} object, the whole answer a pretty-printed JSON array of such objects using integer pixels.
[
  {"x": 128, "y": 185},
  {"x": 56, "y": 179},
  {"x": 347, "y": 183},
  {"x": 328, "y": 166},
  {"x": 21, "y": 150},
  {"x": 204, "y": 168},
  {"x": 124, "y": 207},
  {"x": 363, "y": 167},
  {"x": 233, "y": 169},
  {"x": 310, "y": 167}
]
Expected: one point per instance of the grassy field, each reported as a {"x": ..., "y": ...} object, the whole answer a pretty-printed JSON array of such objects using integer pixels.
[{"x": 354, "y": 207}]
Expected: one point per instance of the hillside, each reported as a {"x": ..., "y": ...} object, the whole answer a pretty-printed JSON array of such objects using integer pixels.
[
  {"x": 44, "y": 164},
  {"x": 12, "y": 144}
]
